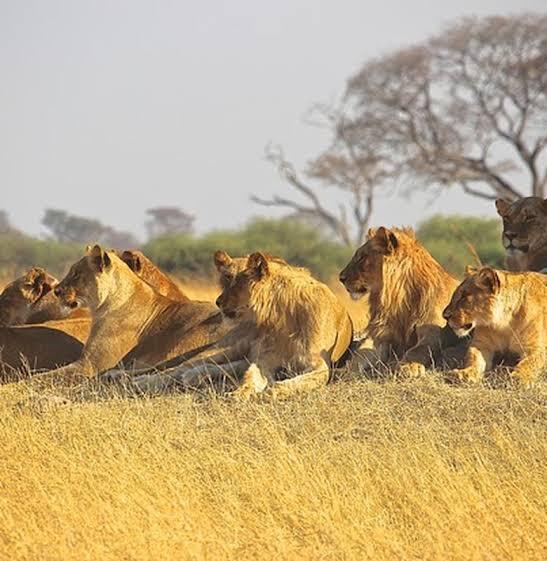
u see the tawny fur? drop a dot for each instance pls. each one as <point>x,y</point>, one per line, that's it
<point>287,321</point>
<point>153,275</point>
<point>408,290</point>
<point>524,233</point>
<point>19,297</point>
<point>131,322</point>
<point>508,312</point>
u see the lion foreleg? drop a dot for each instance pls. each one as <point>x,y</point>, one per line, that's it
<point>188,378</point>
<point>417,358</point>
<point>305,382</point>
<point>530,367</point>
<point>254,382</point>
<point>477,362</point>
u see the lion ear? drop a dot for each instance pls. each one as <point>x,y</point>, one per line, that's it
<point>100,260</point>
<point>222,259</point>
<point>502,206</point>
<point>371,233</point>
<point>469,270</point>
<point>489,279</point>
<point>387,239</point>
<point>258,264</point>
<point>132,260</point>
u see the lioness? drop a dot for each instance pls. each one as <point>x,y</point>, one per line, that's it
<point>524,233</point>
<point>131,321</point>
<point>192,370</point>
<point>153,275</point>
<point>18,297</point>
<point>508,313</point>
<point>407,290</point>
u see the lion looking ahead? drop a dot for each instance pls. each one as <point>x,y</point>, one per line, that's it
<point>507,313</point>
<point>291,330</point>
<point>524,233</point>
<point>130,320</point>
<point>407,290</point>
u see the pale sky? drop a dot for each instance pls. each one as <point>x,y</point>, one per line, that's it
<point>110,107</point>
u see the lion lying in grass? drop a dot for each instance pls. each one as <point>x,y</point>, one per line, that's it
<point>298,330</point>
<point>131,322</point>
<point>19,297</point>
<point>408,291</point>
<point>507,313</point>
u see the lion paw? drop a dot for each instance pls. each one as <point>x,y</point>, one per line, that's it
<point>463,376</point>
<point>410,370</point>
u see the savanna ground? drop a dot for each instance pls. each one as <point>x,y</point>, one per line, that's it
<point>363,469</point>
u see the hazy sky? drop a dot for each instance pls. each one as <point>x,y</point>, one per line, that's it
<point>110,107</point>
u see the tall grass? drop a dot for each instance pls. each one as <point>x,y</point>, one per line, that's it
<point>358,470</point>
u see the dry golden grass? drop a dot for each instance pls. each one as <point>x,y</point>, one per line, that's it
<point>358,470</point>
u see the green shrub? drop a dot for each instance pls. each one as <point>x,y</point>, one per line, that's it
<point>298,243</point>
<point>446,236</point>
<point>18,252</point>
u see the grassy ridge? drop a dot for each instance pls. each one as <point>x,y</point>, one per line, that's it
<point>358,470</point>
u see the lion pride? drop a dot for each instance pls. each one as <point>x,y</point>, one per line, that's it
<point>131,322</point>
<point>408,290</point>
<point>506,313</point>
<point>524,233</point>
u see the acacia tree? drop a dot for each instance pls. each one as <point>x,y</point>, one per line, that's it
<point>65,227</point>
<point>469,107</point>
<point>168,220</point>
<point>350,164</point>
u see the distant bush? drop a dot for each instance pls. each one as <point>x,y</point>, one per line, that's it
<point>298,243</point>
<point>18,252</point>
<point>446,236</point>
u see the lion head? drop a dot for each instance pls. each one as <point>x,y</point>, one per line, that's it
<point>228,267</point>
<point>473,301</point>
<point>20,295</point>
<point>236,294</point>
<point>524,229</point>
<point>83,285</point>
<point>364,273</point>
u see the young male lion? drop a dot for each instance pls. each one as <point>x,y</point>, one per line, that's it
<point>508,313</point>
<point>131,322</point>
<point>301,327</point>
<point>407,290</point>
<point>19,297</point>
<point>524,233</point>
<point>290,325</point>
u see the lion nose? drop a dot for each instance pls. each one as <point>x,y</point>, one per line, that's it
<point>510,235</point>
<point>342,277</point>
<point>218,301</point>
<point>446,314</point>
<point>57,292</point>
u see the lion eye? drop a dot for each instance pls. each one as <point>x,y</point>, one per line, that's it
<point>530,218</point>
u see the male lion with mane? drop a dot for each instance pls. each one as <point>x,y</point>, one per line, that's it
<point>292,330</point>
<point>507,313</point>
<point>408,291</point>
<point>524,233</point>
